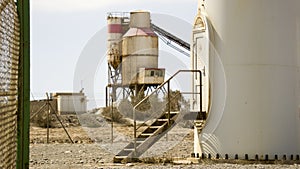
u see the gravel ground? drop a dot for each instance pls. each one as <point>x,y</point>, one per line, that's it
<point>91,156</point>
<point>93,149</point>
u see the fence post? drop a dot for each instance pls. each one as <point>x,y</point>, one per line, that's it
<point>23,114</point>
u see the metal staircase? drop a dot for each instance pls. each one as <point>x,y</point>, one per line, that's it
<point>147,138</point>
<point>154,131</point>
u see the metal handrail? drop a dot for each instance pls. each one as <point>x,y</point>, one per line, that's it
<point>159,87</point>
<point>140,125</point>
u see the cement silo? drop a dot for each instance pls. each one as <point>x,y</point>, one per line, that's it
<point>139,47</point>
<point>132,57</point>
<point>253,78</point>
<point>117,25</point>
<point>114,40</point>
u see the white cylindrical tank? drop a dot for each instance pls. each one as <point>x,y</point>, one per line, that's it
<point>114,40</point>
<point>139,48</point>
<point>254,78</point>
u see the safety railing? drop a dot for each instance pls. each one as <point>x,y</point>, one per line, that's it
<point>118,14</point>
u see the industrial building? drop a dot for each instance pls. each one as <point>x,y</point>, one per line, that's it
<point>62,103</point>
<point>70,102</point>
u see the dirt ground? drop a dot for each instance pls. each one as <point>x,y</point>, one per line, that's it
<point>93,147</point>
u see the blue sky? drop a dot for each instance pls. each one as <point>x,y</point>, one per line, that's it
<point>61,30</point>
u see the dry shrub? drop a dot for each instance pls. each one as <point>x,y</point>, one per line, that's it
<point>112,114</point>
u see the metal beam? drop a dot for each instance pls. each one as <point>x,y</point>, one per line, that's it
<point>168,38</point>
<point>23,113</point>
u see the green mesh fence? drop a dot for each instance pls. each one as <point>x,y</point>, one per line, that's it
<point>9,56</point>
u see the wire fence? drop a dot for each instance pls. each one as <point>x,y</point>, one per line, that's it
<point>9,57</point>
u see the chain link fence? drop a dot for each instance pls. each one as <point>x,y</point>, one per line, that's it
<point>9,57</point>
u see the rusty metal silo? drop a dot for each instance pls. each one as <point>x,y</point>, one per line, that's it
<point>113,42</point>
<point>139,47</point>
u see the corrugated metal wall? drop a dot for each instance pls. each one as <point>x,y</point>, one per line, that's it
<point>9,56</point>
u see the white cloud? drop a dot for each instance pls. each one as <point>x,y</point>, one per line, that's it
<point>85,5</point>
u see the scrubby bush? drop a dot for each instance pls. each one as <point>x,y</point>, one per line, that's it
<point>112,113</point>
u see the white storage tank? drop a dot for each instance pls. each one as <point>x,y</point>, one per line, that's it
<point>139,47</point>
<point>253,78</point>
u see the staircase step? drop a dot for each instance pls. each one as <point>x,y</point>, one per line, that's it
<point>147,134</point>
<point>171,113</point>
<point>159,123</point>
<point>162,120</point>
<point>154,127</point>
<point>119,158</point>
